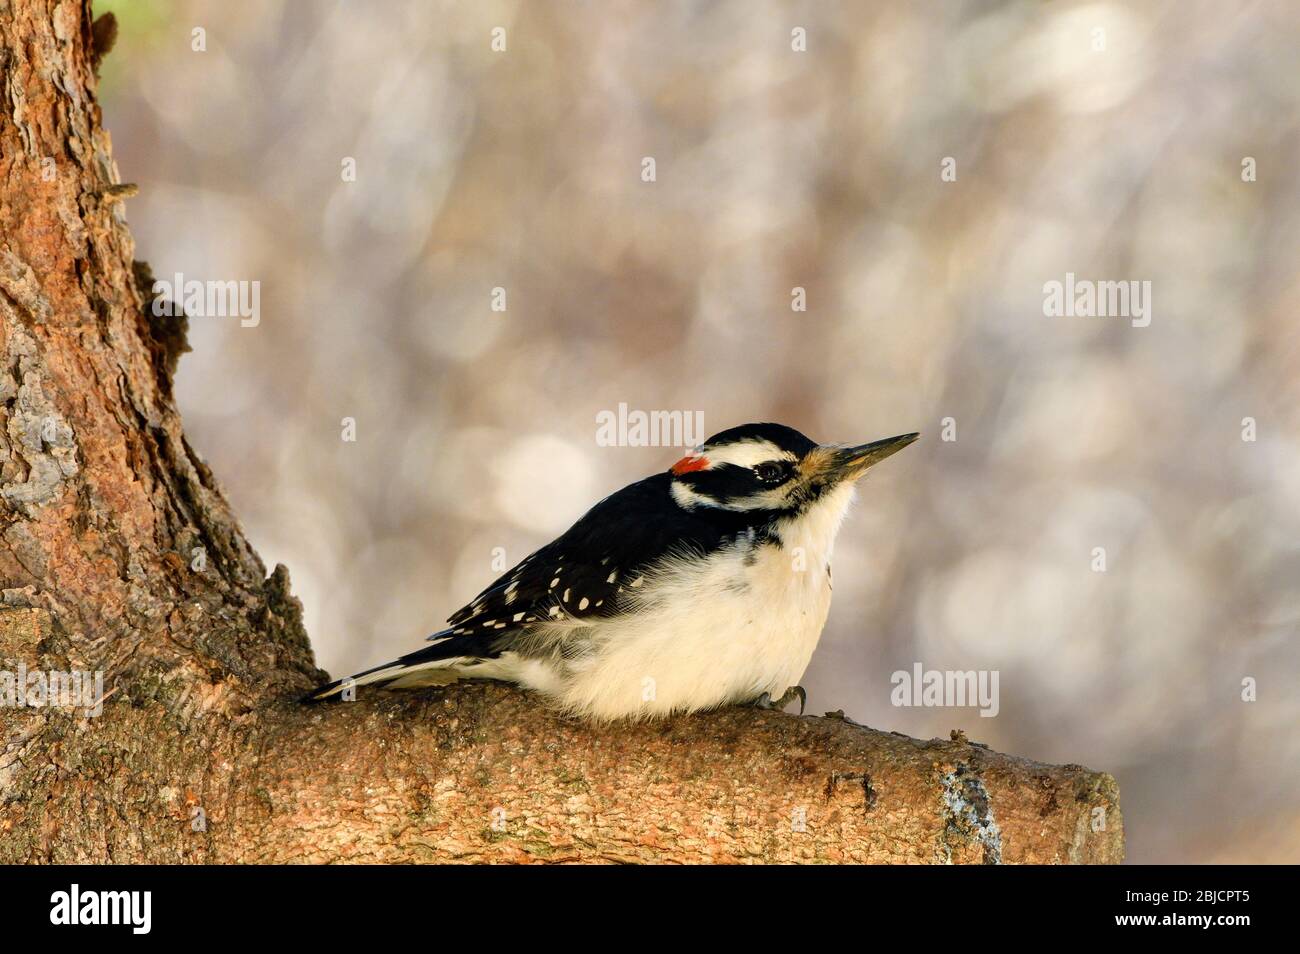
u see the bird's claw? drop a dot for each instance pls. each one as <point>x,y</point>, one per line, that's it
<point>765,701</point>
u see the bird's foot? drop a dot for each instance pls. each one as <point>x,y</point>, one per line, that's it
<point>765,701</point>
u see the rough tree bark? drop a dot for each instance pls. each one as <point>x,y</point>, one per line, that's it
<point>201,754</point>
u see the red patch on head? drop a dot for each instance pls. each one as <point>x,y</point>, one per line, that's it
<point>688,464</point>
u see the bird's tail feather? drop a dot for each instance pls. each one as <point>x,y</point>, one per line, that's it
<point>420,668</point>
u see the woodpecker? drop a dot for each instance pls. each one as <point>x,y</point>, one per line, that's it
<point>704,585</point>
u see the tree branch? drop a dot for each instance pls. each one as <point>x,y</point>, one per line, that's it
<point>480,772</point>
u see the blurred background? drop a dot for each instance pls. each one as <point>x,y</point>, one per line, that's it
<point>1103,139</point>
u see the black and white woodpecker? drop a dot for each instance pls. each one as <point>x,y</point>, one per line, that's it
<point>703,585</point>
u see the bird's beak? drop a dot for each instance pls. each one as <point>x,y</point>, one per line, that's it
<point>850,463</point>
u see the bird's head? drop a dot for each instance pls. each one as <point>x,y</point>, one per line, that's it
<point>772,468</point>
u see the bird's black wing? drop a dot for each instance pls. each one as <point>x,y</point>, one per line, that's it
<point>589,570</point>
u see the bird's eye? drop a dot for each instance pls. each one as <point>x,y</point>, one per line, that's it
<point>769,473</point>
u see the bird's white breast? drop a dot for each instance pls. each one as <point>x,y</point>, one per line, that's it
<point>742,622</point>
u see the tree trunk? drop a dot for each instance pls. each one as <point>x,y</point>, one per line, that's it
<point>119,553</point>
